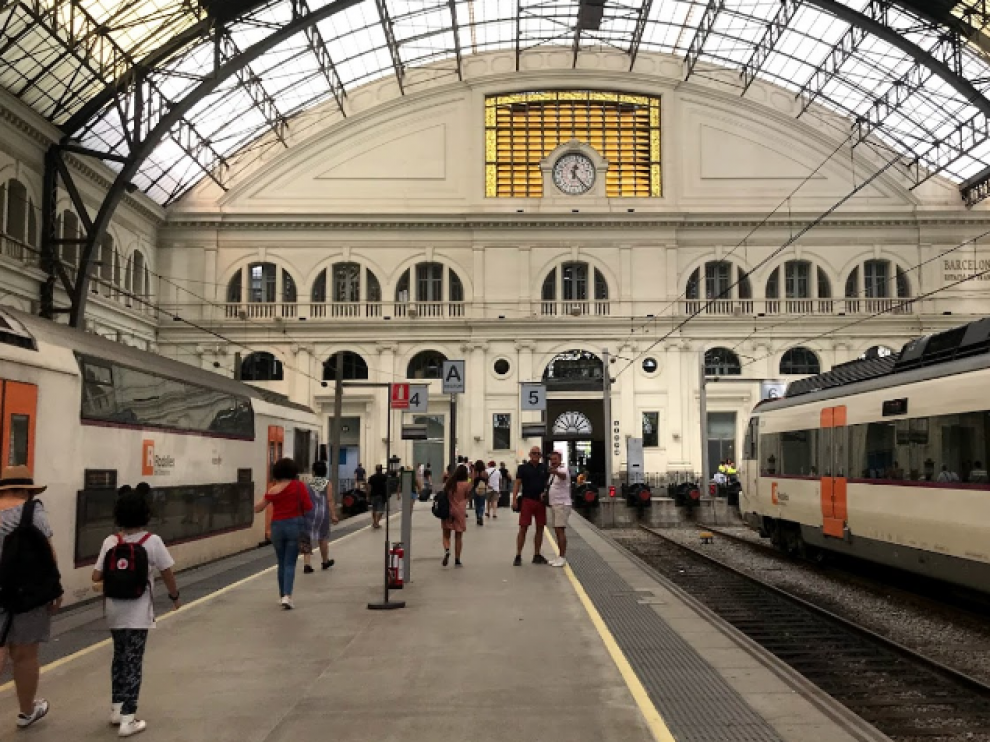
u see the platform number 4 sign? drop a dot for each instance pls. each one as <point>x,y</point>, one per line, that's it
<point>419,397</point>
<point>533,397</point>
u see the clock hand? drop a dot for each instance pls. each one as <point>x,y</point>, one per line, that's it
<point>586,185</point>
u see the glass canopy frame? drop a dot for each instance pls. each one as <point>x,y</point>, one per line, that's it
<point>105,71</point>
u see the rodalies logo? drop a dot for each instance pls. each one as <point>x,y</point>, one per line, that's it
<point>152,465</point>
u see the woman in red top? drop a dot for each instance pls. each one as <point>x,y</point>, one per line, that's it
<point>290,501</point>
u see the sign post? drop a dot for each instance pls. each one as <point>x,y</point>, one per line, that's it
<point>452,378</point>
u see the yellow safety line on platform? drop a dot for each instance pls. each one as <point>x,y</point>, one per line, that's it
<point>182,611</point>
<point>650,714</point>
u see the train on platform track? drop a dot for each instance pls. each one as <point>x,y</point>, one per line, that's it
<point>884,458</point>
<point>88,415</point>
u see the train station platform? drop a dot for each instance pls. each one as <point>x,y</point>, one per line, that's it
<point>601,651</point>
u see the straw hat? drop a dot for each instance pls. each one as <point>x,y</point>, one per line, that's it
<point>19,478</point>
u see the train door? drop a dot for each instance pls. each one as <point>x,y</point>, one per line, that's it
<point>833,440</point>
<point>18,410</point>
<point>276,446</point>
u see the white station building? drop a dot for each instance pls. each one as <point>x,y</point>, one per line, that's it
<point>541,212</point>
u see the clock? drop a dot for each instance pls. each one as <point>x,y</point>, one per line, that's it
<point>574,174</point>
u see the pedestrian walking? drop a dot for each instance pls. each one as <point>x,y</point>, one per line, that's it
<point>290,502</point>
<point>30,588</point>
<point>479,489</point>
<point>378,490</point>
<point>527,500</point>
<point>560,504</point>
<point>318,519</point>
<point>125,571</point>
<point>494,490</point>
<point>505,485</point>
<point>458,490</point>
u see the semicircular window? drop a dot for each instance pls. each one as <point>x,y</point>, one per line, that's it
<point>572,423</point>
<point>354,367</point>
<point>578,370</point>
<point>261,366</point>
<point>800,361</point>
<point>427,364</point>
<point>722,362</point>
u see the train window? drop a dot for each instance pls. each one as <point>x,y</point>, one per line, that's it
<point>770,454</point>
<point>179,513</point>
<point>20,436</point>
<point>302,450</point>
<point>127,396</point>
<point>100,479</point>
<point>798,453</point>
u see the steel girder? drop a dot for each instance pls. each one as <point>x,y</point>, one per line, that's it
<point>638,31</point>
<point>319,48</point>
<point>452,4</point>
<point>252,85</point>
<point>705,27</point>
<point>775,29</point>
<point>393,46</point>
<point>151,122</point>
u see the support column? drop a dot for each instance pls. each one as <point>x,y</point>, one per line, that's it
<point>527,300</point>
<point>476,396</point>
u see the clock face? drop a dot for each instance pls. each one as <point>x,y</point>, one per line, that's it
<point>574,174</point>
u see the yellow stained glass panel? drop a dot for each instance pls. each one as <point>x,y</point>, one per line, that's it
<point>523,128</point>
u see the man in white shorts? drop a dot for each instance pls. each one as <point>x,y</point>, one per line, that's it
<point>560,504</point>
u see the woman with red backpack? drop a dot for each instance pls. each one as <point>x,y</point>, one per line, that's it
<point>290,502</point>
<point>125,570</point>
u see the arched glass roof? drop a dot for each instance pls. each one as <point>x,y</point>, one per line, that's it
<point>911,73</point>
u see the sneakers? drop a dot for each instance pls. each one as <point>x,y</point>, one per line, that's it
<point>446,558</point>
<point>559,562</point>
<point>115,714</point>
<point>517,562</point>
<point>539,559</point>
<point>308,569</point>
<point>457,563</point>
<point>287,603</point>
<point>328,564</point>
<point>37,714</point>
<point>129,726</point>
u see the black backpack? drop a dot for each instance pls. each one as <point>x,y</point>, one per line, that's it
<point>441,505</point>
<point>125,569</point>
<point>29,576</point>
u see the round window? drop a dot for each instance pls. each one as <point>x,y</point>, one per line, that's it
<point>501,367</point>
<point>650,365</point>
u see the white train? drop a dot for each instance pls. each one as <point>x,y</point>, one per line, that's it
<point>87,415</point>
<point>884,458</point>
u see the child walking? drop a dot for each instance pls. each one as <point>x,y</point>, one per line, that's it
<point>125,568</point>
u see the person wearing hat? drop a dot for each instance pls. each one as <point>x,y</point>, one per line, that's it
<point>24,631</point>
<point>494,490</point>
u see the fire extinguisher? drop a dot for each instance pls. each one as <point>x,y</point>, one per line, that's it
<point>396,554</point>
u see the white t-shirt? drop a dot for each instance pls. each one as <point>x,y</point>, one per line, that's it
<point>138,613</point>
<point>560,489</point>
<point>494,479</point>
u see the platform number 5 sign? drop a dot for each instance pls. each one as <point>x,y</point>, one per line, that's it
<point>533,396</point>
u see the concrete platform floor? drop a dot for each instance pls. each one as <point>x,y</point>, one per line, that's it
<point>485,652</point>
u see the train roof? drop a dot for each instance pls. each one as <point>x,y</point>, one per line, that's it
<point>26,331</point>
<point>959,350</point>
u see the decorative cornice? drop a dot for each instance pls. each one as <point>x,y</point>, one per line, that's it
<point>562,222</point>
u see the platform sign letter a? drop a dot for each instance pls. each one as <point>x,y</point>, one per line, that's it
<point>453,377</point>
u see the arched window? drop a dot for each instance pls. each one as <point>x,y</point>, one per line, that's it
<point>105,269</point>
<point>354,367</point>
<point>800,361</point>
<point>137,274</point>
<point>869,286</point>
<point>721,287</point>
<point>427,364</point>
<point>578,370</point>
<point>260,282</point>
<point>572,423</point>
<point>349,285</point>
<point>18,219</point>
<point>430,285</point>
<point>571,283</point>
<point>798,282</point>
<point>70,231</point>
<point>261,366</point>
<point>722,362</point>
<point>118,267</point>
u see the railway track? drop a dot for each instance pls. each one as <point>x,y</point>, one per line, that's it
<point>903,694</point>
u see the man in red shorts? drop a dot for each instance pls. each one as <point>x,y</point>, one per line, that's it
<point>532,478</point>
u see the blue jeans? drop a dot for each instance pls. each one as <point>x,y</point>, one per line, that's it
<point>285,538</point>
<point>479,506</point>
